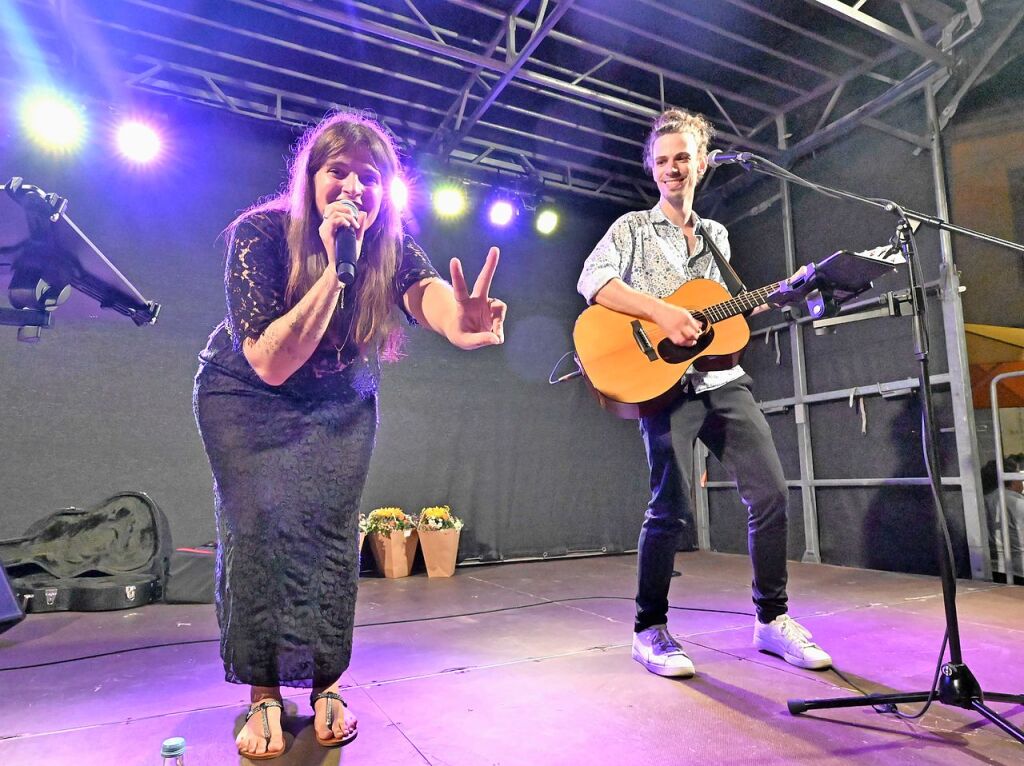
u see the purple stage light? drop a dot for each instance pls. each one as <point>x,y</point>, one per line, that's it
<point>399,192</point>
<point>138,142</point>
<point>501,212</point>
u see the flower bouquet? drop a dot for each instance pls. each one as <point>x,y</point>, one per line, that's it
<point>439,536</point>
<point>393,541</point>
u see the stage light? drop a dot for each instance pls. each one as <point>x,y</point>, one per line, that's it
<point>138,142</point>
<point>501,213</point>
<point>449,201</point>
<point>399,192</point>
<point>547,221</point>
<point>53,121</point>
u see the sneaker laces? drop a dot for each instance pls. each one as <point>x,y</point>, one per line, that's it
<point>796,633</point>
<point>664,642</point>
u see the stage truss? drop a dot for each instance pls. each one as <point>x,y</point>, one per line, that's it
<point>533,94</point>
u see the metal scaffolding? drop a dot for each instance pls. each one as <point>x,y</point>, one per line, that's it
<point>556,95</point>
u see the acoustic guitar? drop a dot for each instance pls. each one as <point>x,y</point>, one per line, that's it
<point>632,366</point>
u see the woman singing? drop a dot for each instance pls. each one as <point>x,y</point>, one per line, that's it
<point>285,399</point>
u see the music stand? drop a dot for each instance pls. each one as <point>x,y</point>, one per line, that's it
<point>956,684</point>
<point>48,255</point>
<point>827,285</point>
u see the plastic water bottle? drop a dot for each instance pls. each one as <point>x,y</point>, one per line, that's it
<point>173,751</point>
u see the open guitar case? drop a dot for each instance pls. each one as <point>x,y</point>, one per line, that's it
<point>114,555</point>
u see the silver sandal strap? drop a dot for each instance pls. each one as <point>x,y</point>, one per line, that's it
<point>261,708</point>
<point>330,708</point>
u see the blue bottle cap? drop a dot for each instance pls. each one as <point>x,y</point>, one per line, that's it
<point>173,747</point>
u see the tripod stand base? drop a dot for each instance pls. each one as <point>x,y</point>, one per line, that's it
<point>957,686</point>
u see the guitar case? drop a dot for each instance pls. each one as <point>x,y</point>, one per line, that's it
<point>114,555</point>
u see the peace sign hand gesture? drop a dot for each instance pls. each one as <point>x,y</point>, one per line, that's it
<point>479,319</point>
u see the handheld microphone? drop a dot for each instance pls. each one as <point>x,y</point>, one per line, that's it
<point>345,248</point>
<point>718,157</point>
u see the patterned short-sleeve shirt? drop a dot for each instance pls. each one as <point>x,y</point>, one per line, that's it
<point>650,254</point>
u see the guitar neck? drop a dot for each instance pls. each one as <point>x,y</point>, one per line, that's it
<point>740,304</point>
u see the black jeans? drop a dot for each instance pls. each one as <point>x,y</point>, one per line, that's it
<point>729,422</point>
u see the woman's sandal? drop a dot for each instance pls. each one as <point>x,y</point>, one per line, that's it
<point>331,741</point>
<point>261,707</point>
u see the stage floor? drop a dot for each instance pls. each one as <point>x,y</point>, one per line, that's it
<point>541,675</point>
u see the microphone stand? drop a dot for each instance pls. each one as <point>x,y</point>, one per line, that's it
<point>956,684</point>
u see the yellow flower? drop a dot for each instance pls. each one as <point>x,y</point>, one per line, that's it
<point>387,520</point>
<point>438,517</point>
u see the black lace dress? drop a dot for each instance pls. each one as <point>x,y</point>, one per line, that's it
<point>289,463</point>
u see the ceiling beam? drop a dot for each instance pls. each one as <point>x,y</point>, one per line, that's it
<point>539,33</point>
<point>910,85</point>
<point>852,74</point>
<point>809,34</point>
<point>935,10</point>
<point>644,66</point>
<point>353,21</point>
<point>458,105</point>
<point>986,58</point>
<point>688,50</point>
<point>884,30</point>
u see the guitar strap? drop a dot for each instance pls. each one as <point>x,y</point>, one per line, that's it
<point>732,279</point>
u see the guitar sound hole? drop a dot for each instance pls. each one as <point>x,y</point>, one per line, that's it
<point>674,354</point>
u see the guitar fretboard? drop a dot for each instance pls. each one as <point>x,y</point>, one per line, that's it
<point>740,304</point>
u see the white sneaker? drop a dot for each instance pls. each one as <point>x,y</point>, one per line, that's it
<point>791,641</point>
<point>660,653</point>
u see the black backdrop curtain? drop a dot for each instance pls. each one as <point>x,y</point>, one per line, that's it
<point>100,406</point>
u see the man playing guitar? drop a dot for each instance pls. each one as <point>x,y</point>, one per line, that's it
<point>644,257</point>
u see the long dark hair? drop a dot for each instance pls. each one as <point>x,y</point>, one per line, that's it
<point>374,322</point>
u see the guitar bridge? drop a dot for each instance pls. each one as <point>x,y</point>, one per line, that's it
<point>640,336</point>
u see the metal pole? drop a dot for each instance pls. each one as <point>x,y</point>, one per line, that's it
<point>701,505</point>
<point>812,552</point>
<point>975,524</point>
